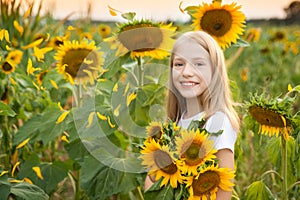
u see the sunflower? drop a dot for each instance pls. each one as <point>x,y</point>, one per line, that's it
<point>273,115</point>
<point>104,30</point>
<point>15,56</point>
<point>223,22</point>
<point>160,163</point>
<point>271,122</point>
<point>56,42</point>
<point>194,149</point>
<point>155,130</point>
<point>8,66</point>
<point>208,181</point>
<point>79,62</point>
<point>143,38</point>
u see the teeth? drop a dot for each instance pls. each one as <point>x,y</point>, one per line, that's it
<point>187,84</point>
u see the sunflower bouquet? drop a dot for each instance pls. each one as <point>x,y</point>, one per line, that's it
<point>182,162</point>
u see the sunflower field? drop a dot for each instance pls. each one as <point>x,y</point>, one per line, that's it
<point>78,98</point>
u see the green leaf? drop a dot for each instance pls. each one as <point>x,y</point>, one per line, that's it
<point>4,189</point>
<point>165,193</point>
<point>241,43</point>
<point>104,181</point>
<point>6,110</point>
<point>258,190</point>
<point>41,127</point>
<point>28,191</point>
<point>129,16</point>
<point>53,173</point>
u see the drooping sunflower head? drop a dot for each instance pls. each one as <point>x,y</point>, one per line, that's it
<point>273,115</point>
<point>144,38</point>
<point>79,62</point>
<point>208,181</point>
<point>8,66</point>
<point>161,163</point>
<point>194,149</point>
<point>155,130</point>
<point>223,22</point>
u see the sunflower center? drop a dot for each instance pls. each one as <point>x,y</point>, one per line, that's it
<point>216,22</point>
<point>155,132</point>
<point>76,65</point>
<point>141,37</point>
<point>205,183</point>
<point>193,154</point>
<point>6,67</point>
<point>164,162</point>
<point>266,117</point>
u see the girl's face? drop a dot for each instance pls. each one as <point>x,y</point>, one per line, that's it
<point>191,70</point>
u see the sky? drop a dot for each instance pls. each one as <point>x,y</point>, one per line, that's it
<point>158,9</point>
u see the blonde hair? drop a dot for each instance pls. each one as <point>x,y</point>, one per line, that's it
<point>217,97</point>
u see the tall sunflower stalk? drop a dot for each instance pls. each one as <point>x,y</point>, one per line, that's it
<point>276,117</point>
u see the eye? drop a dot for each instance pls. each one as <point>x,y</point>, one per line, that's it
<point>178,64</point>
<point>198,64</point>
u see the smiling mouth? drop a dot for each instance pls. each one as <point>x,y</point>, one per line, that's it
<point>188,83</point>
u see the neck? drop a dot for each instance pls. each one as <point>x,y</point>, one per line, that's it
<point>193,107</point>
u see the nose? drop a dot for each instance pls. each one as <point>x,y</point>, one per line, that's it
<point>188,70</point>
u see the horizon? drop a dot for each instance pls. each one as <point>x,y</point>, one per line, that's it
<point>168,10</point>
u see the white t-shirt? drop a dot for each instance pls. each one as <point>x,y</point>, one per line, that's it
<point>218,121</point>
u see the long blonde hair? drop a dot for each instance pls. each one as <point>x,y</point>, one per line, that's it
<point>217,97</point>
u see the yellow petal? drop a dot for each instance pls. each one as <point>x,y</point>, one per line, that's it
<point>59,105</point>
<point>23,143</point>
<point>109,122</point>
<point>27,180</point>
<point>126,89</point>
<point>27,13</point>
<point>16,181</point>
<point>86,61</point>
<point>116,111</point>
<point>12,81</point>
<point>112,11</point>
<point>33,44</point>
<point>53,83</point>
<point>90,119</point>
<point>2,173</point>
<point>115,88</point>
<point>102,117</point>
<point>64,138</point>
<point>290,87</point>
<point>71,28</point>
<point>180,4</point>
<point>19,28</point>
<point>38,172</point>
<point>7,48</point>
<point>14,168</point>
<point>130,98</point>
<point>62,117</point>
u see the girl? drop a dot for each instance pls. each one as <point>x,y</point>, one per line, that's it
<point>199,88</point>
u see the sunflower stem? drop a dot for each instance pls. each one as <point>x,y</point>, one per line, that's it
<point>284,168</point>
<point>140,71</point>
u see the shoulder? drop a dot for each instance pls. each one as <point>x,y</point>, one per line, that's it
<point>218,121</point>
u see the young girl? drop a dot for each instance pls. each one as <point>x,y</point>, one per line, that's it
<point>199,88</point>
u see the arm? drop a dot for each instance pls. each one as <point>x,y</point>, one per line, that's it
<point>148,182</point>
<point>226,158</point>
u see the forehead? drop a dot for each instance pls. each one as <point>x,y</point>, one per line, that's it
<point>190,49</point>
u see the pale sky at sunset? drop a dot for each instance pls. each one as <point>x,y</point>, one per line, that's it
<point>159,9</point>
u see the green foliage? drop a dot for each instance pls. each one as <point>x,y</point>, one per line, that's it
<point>258,190</point>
